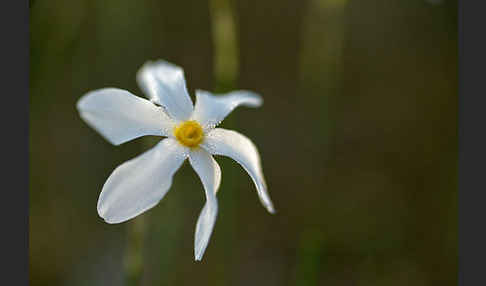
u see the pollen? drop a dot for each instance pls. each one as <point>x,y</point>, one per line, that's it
<point>189,133</point>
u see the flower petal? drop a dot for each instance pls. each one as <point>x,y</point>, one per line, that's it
<point>120,116</point>
<point>229,143</point>
<point>210,174</point>
<point>165,85</point>
<point>211,109</point>
<point>139,184</point>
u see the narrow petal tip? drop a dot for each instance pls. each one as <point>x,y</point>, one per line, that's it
<point>110,219</point>
<point>102,213</point>
<point>198,254</point>
<point>256,100</point>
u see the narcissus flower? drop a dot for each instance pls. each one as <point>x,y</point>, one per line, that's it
<point>140,183</point>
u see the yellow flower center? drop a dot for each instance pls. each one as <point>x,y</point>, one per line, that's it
<point>189,133</point>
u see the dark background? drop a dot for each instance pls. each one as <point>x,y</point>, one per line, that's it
<point>358,138</point>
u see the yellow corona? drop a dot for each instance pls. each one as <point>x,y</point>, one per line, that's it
<point>189,133</point>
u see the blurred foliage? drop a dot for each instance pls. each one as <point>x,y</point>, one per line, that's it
<point>358,138</point>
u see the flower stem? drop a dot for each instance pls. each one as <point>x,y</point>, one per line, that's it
<point>225,39</point>
<point>226,68</point>
<point>133,259</point>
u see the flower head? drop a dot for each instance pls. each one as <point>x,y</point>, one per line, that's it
<point>140,183</point>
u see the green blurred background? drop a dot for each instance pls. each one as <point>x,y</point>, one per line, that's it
<point>358,138</point>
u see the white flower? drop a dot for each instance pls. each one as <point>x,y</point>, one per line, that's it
<point>140,183</point>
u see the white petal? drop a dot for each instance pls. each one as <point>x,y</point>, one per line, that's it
<point>211,109</point>
<point>229,143</point>
<point>165,85</point>
<point>210,174</point>
<point>139,184</point>
<point>120,116</point>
